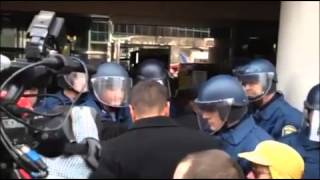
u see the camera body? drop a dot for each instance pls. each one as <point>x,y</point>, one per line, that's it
<point>46,34</point>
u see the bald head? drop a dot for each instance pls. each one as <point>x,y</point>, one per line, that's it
<point>210,164</point>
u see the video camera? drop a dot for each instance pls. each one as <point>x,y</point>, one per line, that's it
<point>21,127</point>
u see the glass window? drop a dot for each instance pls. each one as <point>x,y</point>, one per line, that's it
<point>9,37</point>
<point>130,29</point>
<point>99,31</point>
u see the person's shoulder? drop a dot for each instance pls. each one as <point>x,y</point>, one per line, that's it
<point>50,100</point>
<point>120,139</point>
<point>198,136</point>
<point>288,116</point>
<point>47,103</point>
<point>112,130</point>
<point>260,134</point>
<point>111,145</point>
<point>288,110</point>
<point>88,101</point>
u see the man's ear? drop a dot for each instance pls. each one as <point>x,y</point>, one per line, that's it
<point>132,113</point>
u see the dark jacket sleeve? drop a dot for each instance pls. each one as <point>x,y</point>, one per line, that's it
<point>109,130</point>
<point>108,166</point>
<point>102,173</point>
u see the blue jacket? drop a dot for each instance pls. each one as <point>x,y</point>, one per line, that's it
<point>243,137</point>
<point>309,150</point>
<point>48,103</point>
<point>120,115</point>
<point>278,117</point>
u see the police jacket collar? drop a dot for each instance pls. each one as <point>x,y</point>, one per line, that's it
<point>64,98</point>
<point>270,107</point>
<point>157,121</point>
<point>239,132</point>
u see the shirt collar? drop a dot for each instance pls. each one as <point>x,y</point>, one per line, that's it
<point>157,121</point>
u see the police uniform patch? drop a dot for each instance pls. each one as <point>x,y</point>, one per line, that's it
<point>288,129</point>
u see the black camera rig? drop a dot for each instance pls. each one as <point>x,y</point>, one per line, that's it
<point>21,128</point>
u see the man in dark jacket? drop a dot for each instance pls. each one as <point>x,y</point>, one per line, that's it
<point>154,145</point>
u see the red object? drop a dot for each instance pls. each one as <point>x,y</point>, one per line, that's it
<point>24,103</point>
<point>174,69</point>
<point>3,94</point>
<point>24,174</point>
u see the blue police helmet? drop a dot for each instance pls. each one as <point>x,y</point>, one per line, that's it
<point>222,87</point>
<point>111,85</point>
<point>259,71</point>
<point>313,98</point>
<point>225,95</point>
<point>151,69</point>
<point>111,69</point>
<point>258,66</point>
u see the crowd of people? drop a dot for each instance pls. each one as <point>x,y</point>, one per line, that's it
<point>232,126</point>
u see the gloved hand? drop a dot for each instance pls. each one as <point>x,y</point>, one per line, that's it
<point>94,152</point>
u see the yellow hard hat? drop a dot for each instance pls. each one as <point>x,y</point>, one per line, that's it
<point>283,161</point>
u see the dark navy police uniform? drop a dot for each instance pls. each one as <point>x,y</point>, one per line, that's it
<point>309,150</point>
<point>48,103</point>
<point>278,118</point>
<point>244,137</point>
<point>120,115</point>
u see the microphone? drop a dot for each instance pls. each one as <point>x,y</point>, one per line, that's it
<point>55,62</point>
<point>4,62</point>
<point>66,64</point>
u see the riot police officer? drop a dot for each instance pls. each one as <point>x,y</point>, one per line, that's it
<point>152,69</point>
<point>222,112</point>
<point>110,94</point>
<point>71,86</point>
<point>268,106</point>
<point>307,142</point>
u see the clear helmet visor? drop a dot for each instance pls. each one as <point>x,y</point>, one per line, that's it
<point>256,85</point>
<point>312,120</point>
<point>213,116</point>
<point>112,91</point>
<point>77,81</point>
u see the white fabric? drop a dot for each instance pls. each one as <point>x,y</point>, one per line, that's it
<point>74,167</point>
<point>314,128</point>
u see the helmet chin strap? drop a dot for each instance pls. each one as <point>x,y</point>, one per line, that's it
<point>109,108</point>
<point>224,123</point>
<point>216,131</point>
<point>260,96</point>
<point>256,98</point>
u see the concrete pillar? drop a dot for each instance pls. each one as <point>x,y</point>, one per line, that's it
<point>298,49</point>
